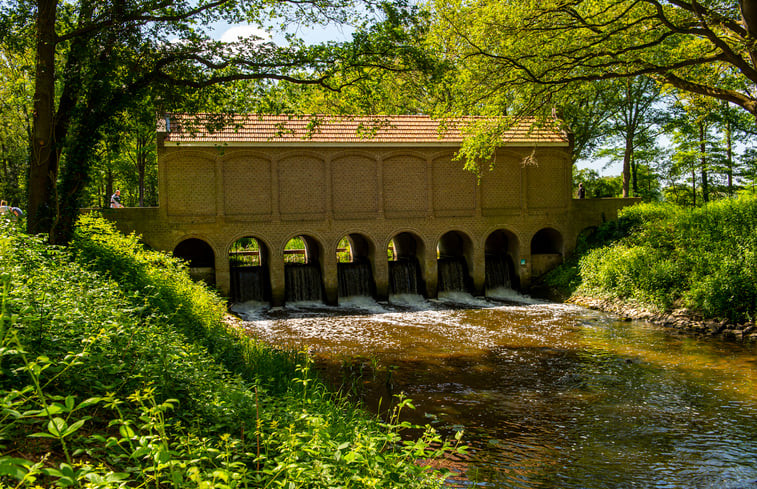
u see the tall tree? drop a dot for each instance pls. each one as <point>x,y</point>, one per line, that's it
<point>635,101</point>
<point>95,59</point>
<point>537,49</point>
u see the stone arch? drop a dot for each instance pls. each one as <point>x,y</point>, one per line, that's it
<point>303,275</point>
<point>454,251</point>
<point>547,241</point>
<point>249,268</point>
<point>356,267</point>
<point>502,253</point>
<point>406,252</point>
<point>200,258</point>
<point>546,250</point>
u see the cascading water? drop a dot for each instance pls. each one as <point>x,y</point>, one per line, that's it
<point>355,279</point>
<point>497,272</point>
<point>303,282</point>
<point>405,277</point>
<point>453,274</point>
<point>250,283</point>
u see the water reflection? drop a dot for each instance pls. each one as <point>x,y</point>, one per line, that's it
<point>549,395</point>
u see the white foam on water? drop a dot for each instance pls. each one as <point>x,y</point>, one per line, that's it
<point>463,298</point>
<point>508,294</point>
<point>414,301</point>
<point>250,310</point>
<point>304,305</point>
<point>361,302</point>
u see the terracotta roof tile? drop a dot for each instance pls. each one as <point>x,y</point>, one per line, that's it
<point>328,129</point>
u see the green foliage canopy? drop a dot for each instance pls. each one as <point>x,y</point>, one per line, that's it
<point>527,50</point>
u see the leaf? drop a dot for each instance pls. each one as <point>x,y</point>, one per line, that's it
<point>57,426</point>
<point>89,402</point>
<point>42,435</point>
<point>162,455</point>
<point>71,429</point>
<point>126,431</point>
<point>14,467</point>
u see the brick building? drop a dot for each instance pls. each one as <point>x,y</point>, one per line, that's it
<point>387,185</point>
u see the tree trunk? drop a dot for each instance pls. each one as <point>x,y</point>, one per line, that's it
<point>634,176</point>
<point>703,163</point>
<point>76,175</point>
<point>627,154</point>
<point>694,185</point>
<point>43,168</point>
<point>108,185</point>
<point>729,158</point>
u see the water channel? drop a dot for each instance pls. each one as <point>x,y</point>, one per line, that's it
<point>547,395</point>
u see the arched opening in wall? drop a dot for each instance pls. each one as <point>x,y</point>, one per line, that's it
<point>546,251</point>
<point>404,252</point>
<point>501,254</point>
<point>249,269</point>
<point>303,281</point>
<point>354,267</point>
<point>451,263</point>
<point>199,257</point>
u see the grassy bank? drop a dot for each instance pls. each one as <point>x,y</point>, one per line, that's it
<point>668,257</point>
<point>116,370</point>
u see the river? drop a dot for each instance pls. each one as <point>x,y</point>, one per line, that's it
<point>547,395</point>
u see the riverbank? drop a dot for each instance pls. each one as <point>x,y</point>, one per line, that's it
<point>116,369</point>
<point>680,319</point>
<point>694,269</point>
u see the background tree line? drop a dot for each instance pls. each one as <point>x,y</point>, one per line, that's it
<point>666,88</point>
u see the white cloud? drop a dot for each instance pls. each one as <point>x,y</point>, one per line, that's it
<point>233,33</point>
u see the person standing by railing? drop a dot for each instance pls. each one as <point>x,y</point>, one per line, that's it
<point>115,200</point>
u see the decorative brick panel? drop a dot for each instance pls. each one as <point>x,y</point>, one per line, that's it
<point>500,188</point>
<point>191,184</point>
<point>302,186</point>
<point>546,184</point>
<point>247,186</point>
<point>405,185</point>
<point>354,185</point>
<point>454,188</point>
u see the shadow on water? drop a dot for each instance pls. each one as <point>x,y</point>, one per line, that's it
<point>548,395</point>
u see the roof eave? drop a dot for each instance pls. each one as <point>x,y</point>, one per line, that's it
<point>311,144</point>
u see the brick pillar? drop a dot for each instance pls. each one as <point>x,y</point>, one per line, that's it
<point>477,270</point>
<point>381,273</point>
<point>223,273</point>
<point>330,277</point>
<point>276,270</point>
<point>429,272</point>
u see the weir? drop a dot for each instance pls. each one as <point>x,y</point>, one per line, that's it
<point>405,277</point>
<point>383,183</point>
<point>303,282</point>
<point>250,283</point>
<point>498,272</point>
<point>453,274</point>
<point>355,280</point>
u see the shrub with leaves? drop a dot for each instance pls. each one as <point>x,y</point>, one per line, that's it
<point>704,259</point>
<point>116,370</point>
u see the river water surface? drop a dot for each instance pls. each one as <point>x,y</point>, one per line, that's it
<point>547,395</point>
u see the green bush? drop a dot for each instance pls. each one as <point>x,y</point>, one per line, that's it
<point>666,256</point>
<point>112,374</point>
